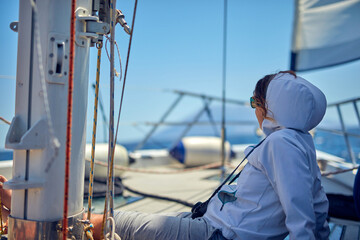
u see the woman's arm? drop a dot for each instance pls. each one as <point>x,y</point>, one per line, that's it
<point>288,170</point>
<point>96,220</point>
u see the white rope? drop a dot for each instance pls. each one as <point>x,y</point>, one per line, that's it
<point>112,235</point>
<point>139,170</point>
<point>54,142</point>
<point>118,51</point>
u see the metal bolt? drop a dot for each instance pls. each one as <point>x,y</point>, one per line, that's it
<point>52,39</point>
<point>58,227</point>
<point>65,56</point>
<point>51,72</point>
<point>51,55</point>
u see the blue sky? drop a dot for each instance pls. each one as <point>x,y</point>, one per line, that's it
<point>178,45</point>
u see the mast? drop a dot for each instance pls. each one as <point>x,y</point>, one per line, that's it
<point>38,131</point>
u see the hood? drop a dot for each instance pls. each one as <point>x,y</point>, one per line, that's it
<point>293,103</point>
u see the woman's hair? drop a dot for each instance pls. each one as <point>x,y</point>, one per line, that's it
<point>261,88</point>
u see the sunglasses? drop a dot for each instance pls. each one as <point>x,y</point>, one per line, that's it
<point>253,103</point>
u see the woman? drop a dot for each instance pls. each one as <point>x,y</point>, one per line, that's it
<point>278,192</point>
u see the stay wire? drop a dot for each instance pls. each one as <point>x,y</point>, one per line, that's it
<point>109,192</point>
<point>123,88</point>
<point>125,74</point>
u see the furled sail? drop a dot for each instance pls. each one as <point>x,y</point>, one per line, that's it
<point>326,33</point>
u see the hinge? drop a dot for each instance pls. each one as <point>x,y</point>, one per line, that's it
<point>91,28</point>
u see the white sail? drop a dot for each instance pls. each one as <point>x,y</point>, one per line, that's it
<point>326,33</point>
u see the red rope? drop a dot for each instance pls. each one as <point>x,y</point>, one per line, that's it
<point>69,119</point>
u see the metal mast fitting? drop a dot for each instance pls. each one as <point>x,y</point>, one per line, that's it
<point>120,18</point>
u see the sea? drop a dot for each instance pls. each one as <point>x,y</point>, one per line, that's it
<point>324,141</point>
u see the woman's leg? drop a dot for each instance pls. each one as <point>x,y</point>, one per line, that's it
<point>139,226</point>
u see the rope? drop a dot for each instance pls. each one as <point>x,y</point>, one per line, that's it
<point>325,174</point>
<point>121,101</point>
<point>1,219</point>
<point>118,51</point>
<point>69,119</point>
<point>118,167</point>
<point>88,231</point>
<point>91,181</point>
<point>109,193</point>
<point>112,235</point>
<point>5,121</point>
<point>185,203</point>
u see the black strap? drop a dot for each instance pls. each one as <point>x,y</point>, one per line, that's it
<point>232,173</point>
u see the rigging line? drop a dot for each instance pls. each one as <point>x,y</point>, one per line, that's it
<point>112,77</point>
<point>325,174</point>
<point>118,51</point>
<point>140,170</point>
<point>5,121</point>
<point>1,218</point>
<point>125,74</point>
<point>223,128</point>
<point>91,181</point>
<point>137,127</point>
<point>109,191</point>
<point>69,119</point>
<point>185,203</point>
<point>122,93</point>
<point>101,105</point>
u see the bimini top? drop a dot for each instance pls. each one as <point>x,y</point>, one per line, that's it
<point>293,103</point>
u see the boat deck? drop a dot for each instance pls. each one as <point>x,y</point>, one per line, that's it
<point>189,186</point>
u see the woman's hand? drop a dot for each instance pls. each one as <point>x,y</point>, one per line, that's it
<point>5,200</point>
<point>5,194</point>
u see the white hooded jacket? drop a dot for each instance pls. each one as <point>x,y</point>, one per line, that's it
<point>279,191</point>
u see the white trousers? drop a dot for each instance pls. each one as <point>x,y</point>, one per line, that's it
<point>172,226</point>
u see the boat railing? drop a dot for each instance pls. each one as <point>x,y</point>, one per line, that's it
<point>343,131</point>
<point>207,100</point>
